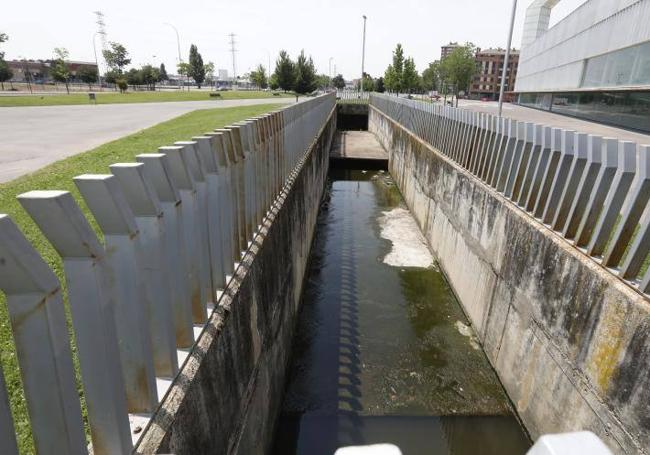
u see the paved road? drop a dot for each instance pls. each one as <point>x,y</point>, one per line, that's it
<point>32,137</point>
<point>561,121</point>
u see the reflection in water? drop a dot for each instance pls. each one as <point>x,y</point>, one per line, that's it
<point>382,353</point>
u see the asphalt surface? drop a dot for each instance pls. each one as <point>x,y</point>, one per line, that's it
<point>527,114</point>
<point>32,137</point>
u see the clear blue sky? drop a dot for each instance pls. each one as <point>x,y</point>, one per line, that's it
<point>324,28</point>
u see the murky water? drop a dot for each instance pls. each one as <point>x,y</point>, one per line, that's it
<point>383,352</point>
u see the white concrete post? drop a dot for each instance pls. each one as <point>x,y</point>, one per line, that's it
<point>214,207</point>
<point>36,313</point>
<point>638,250</point>
<point>487,154</point>
<point>540,168</point>
<point>533,134</point>
<point>518,162</point>
<point>91,297</point>
<point>555,152</point>
<point>497,156</point>
<point>7,433</point>
<point>637,201</point>
<point>145,205</point>
<point>585,186</point>
<point>108,205</point>
<point>182,178</point>
<point>508,155</point>
<point>615,198</point>
<point>226,214</point>
<point>598,194</point>
<point>569,193</point>
<point>158,173</point>
<point>242,130</point>
<point>193,164</point>
<point>234,148</point>
<point>565,159</point>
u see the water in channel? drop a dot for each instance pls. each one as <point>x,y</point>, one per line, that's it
<point>383,353</point>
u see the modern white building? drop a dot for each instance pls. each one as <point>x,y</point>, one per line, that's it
<point>594,63</point>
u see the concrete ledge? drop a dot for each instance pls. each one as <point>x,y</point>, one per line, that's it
<point>228,393</point>
<point>568,339</point>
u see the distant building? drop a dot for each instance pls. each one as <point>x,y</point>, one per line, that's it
<point>593,64</point>
<point>487,81</point>
<point>222,75</point>
<point>448,49</point>
<point>38,71</point>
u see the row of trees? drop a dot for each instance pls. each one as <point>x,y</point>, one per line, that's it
<point>451,75</point>
<point>299,76</point>
<point>5,71</point>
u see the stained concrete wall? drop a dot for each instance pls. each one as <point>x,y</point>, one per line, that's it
<point>568,339</point>
<point>229,391</point>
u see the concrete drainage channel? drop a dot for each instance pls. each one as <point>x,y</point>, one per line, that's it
<point>383,352</point>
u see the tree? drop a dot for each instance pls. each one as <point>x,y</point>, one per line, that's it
<point>391,80</point>
<point>379,85</point>
<point>5,73</point>
<point>410,76</point>
<point>196,69</point>
<point>258,77</point>
<point>111,77</point>
<point>183,69</point>
<point>368,83</point>
<point>273,82</point>
<point>117,57</point>
<point>338,82</point>
<point>431,76</point>
<point>162,72</point>
<point>459,67</point>
<point>150,76</point>
<point>285,71</point>
<point>209,72</point>
<point>3,38</point>
<point>322,81</point>
<point>88,74</point>
<point>60,71</point>
<point>305,74</point>
<point>134,77</point>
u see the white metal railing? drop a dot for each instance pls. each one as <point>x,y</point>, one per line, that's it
<point>352,96</point>
<point>176,224</point>
<point>594,191</point>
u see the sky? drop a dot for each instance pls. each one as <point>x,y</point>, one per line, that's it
<point>323,28</point>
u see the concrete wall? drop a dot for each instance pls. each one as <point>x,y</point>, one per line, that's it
<point>569,340</point>
<point>229,391</point>
<point>555,60</point>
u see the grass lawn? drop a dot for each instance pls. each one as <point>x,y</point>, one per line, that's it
<point>110,97</point>
<point>58,176</point>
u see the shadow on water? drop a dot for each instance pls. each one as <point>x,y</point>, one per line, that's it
<point>383,353</point>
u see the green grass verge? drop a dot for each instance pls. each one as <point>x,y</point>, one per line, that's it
<point>130,97</point>
<point>58,176</point>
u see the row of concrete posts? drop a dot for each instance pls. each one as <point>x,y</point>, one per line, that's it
<point>175,225</point>
<point>592,190</point>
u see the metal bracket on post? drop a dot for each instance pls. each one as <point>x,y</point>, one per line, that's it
<point>113,214</point>
<point>36,312</point>
<point>145,205</point>
<point>92,298</point>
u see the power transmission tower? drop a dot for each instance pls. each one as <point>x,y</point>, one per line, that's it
<point>233,51</point>
<point>101,27</point>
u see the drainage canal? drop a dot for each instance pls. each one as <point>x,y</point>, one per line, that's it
<point>383,353</point>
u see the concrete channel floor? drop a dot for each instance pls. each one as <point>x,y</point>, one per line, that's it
<point>34,136</point>
<point>527,114</point>
<point>360,145</point>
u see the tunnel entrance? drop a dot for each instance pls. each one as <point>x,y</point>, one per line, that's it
<point>383,352</point>
<point>352,117</point>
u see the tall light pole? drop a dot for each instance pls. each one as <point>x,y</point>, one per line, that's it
<point>507,57</point>
<point>330,72</point>
<point>363,53</point>
<point>99,81</point>
<point>178,43</point>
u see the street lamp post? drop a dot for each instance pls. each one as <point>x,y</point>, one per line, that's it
<point>507,57</point>
<point>363,53</point>
<point>178,43</point>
